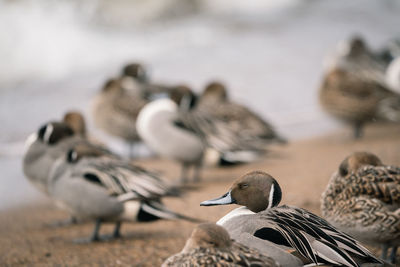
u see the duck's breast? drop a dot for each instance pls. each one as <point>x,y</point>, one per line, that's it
<point>157,126</point>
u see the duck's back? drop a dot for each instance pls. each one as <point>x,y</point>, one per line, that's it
<point>365,203</point>
<point>237,255</point>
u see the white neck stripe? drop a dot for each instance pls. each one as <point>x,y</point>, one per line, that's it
<point>271,196</point>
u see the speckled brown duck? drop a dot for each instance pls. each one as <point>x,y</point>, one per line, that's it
<point>363,200</point>
<point>357,101</point>
<point>215,101</point>
<point>116,107</point>
<point>211,245</point>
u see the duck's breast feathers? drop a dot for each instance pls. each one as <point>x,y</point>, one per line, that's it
<point>121,179</point>
<point>312,236</point>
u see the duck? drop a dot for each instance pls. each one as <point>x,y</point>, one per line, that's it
<point>115,109</point>
<point>362,199</point>
<point>211,245</point>
<point>358,101</point>
<point>175,129</point>
<point>288,227</point>
<point>43,147</point>
<point>355,56</point>
<point>94,186</point>
<point>214,101</point>
<point>52,140</point>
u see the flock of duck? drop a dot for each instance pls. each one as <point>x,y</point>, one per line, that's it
<point>360,204</point>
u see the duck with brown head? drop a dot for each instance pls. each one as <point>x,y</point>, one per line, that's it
<point>354,89</point>
<point>363,199</point>
<point>43,148</point>
<point>215,101</point>
<point>287,227</point>
<point>175,128</point>
<point>94,186</point>
<point>211,245</point>
<point>116,107</point>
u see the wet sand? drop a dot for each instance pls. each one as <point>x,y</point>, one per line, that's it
<point>302,168</point>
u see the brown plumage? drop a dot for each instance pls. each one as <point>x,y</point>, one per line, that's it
<point>210,245</point>
<point>357,101</point>
<point>75,120</point>
<point>116,107</point>
<point>214,100</point>
<point>363,199</point>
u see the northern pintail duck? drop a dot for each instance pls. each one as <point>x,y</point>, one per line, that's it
<point>286,226</point>
<point>116,107</point>
<point>355,56</point>
<point>183,133</point>
<point>43,148</point>
<point>211,245</point>
<point>363,200</point>
<point>94,186</point>
<point>214,101</point>
<point>50,142</point>
<point>358,101</point>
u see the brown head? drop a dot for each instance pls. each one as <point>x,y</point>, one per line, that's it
<point>215,90</point>
<point>356,160</point>
<point>182,95</point>
<point>256,190</point>
<point>357,46</point>
<point>208,235</point>
<point>75,120</point>
<point>54,132</point>
<point>111,85</point>
<point>136,71</point>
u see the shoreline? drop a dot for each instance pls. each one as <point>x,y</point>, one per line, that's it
<point>302,168</point>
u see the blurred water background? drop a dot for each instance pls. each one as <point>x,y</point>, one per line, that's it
<point>56,54</point>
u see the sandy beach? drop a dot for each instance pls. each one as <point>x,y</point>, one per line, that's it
<point>302,168</point>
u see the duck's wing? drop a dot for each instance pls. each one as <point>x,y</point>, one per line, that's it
<point>242,119</point>
<point>381,183</point>
<point>237,256</point>
<point>313,237</point>
<point>128,102</point>
<point>123,179</point>
<point>218,133</point>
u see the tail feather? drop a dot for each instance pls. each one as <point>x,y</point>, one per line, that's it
<point>158,210</point>
<point>389,109</point>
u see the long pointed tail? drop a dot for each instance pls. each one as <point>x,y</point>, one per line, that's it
<point>158,210</point>
<point>389,109</point>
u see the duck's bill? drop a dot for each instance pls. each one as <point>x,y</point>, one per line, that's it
<point>224,200</point>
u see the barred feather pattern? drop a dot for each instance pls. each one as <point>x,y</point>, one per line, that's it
<point>122,179</point>
<point>240,119</point>
<point>354,99</point>
<point>219,134</point>
<point>313,237</point>
<point>367,200</point>
<point>237,255</point>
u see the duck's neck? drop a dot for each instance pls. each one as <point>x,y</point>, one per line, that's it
<point>236,212</point>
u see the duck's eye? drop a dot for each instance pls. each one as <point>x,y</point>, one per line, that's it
<point>243,186</point>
